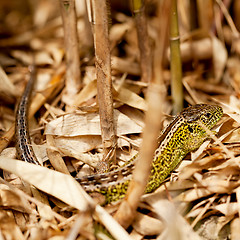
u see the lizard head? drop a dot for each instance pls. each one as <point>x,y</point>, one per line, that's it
<point>209,115</point>
<point>194,134</point>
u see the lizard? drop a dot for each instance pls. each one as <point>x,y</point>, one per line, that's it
<point>183,135</point>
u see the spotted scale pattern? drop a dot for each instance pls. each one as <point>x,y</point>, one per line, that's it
<point>181,136</point>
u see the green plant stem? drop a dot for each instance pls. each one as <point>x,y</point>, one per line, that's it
<point>175,61</point>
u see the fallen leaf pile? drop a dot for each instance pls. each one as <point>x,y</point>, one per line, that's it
<point>199,200</point>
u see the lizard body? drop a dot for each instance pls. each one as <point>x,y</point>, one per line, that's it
<point>183,135</point>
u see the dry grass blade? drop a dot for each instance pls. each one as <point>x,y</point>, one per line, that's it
<point>229,19</point>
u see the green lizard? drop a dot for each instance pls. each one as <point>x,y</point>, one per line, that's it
<point>181,136</point>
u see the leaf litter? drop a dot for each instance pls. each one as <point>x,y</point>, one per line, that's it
<point>202,198</point>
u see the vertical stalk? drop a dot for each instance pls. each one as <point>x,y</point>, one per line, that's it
<point>175,62</point>
<point>143,40</point>
<point>104,82</point>
<point>73,76</point>
<point>156,93</point>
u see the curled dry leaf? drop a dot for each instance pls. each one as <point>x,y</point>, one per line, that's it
<point>82,143</point>
<point>76,135</point>
<point>193,194</point>
<point>72,125</point>
<point>132,99</point>
<point>118,31</point>
<point>62,186</point>
<point>146,225</point>
<point>125,66</point>
<point>89,91</point>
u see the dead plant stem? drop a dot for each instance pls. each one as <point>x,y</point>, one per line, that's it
<point>143,40</point>
<point>104,82</point>
<point>73,76</point>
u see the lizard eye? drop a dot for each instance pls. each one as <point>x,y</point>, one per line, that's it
<point>190,129</point>
<point>208,115</point>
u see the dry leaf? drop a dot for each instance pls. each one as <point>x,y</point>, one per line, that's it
<point>6,86</point>
<point>125,66</point>
<point>72,125</point>
<point>9,229</point>
<point>227,209</point>
<point>193,194</point>
<point>89,91</point>
<point>146,225</point>
<point>11,200</point>
<point>62,186</point>
<point>235,230</point>
<point>175,225</point>
<point>132,99</point>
